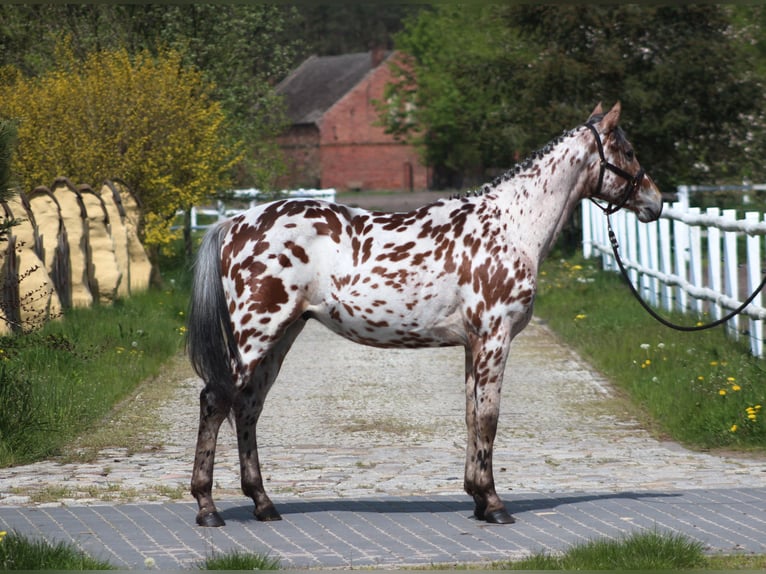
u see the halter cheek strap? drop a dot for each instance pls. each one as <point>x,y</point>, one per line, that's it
<point>633,182</point>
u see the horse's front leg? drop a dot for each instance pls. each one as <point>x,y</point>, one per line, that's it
<point>485,363</point>
<point>213,411</point>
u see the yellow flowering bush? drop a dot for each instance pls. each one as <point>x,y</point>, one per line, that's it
<point>147,119</point>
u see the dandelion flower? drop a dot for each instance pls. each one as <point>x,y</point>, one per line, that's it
<point>660,345</point>
<point>733,428</point>
<point>645,346</point>
<point>580,316</point>
<point>713,363</point>
<point>700,378</point>
<point>736,388</point>
<point>722,392</point>
<point>149,562</point>
<point>752,416</point>
<point>3,534</point>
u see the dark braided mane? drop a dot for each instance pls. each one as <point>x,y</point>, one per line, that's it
<point>523,165</point>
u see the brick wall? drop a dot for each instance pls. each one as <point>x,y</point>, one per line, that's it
<point>356,153</point>
<point>300,145</point>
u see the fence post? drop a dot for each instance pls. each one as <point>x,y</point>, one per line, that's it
<point>645,260</point>
<point>714,260</point>
<point>695,259</point>
<point>753,280</point>
<point>731,270</point>
<point>653,233</point>
<point>666,262</point>
<point>683,197</point>
<point>587,229</point>
<point>680,240</point>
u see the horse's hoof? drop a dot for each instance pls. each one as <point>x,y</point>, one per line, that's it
<point>500,516</point>
<point>268,514</point>
<point>211,519</point>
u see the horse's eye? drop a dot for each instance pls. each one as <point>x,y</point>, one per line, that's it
<point>629,155</point>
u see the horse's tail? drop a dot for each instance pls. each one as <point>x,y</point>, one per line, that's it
<point>210,338</point>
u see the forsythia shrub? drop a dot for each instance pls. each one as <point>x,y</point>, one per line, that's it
<point>147,119</point>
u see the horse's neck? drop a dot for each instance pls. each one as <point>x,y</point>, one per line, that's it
<point>538,201</point>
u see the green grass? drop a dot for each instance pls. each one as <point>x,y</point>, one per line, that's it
<point>240,561</point>
<point>648,550</point>
<point>57,383</point>
<point>701,389</point>
<point>21,553</point>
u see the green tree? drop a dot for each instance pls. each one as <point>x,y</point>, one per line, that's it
<point>7,142</point>
<point>150,120</point>
<point>243,49</point>
<point>495,81</point>
<point>454,98</point>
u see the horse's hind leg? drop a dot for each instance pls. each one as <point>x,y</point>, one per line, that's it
<point>247,410</point>
<point>213,411</point>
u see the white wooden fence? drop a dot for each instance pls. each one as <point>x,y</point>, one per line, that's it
<point>689,261</point>
<point>246,198</point>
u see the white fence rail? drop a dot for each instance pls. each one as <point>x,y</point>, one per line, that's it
<point>689,260</point>
<point>246,198</point>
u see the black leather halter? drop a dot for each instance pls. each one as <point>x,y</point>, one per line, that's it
<point>631,188</point>
<point>633,182</point>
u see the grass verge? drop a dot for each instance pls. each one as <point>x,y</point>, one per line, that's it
<point>20,553</point>
<point>58,382</point>
<point>648,550</point>
<point>240,561</point>
<point>701,389</point>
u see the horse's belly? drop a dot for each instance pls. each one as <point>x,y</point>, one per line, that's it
<point>387,328</point>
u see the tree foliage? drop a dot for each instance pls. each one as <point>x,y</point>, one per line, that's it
<point>7,142</point>
<point>242,49</point>
<point>149,120</point>
<point>496,81</point>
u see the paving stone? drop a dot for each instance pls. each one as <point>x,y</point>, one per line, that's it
<point>362,452</point>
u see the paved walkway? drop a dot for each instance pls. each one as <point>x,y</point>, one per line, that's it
<point>362,451</point>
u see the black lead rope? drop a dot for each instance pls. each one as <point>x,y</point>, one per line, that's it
<point>633,183</point>
<point>653,313</point>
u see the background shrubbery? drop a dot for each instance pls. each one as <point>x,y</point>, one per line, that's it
<point>147,119</point>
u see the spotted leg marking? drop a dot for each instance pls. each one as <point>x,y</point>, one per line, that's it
<point>485,362</point>
<point>213,411</point>
<point>247,411</point>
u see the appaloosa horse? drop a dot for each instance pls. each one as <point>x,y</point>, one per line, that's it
<point>456,272</point>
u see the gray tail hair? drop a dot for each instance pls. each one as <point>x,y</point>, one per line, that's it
<point>210,341</point>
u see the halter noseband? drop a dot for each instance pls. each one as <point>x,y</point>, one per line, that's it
<point>633,181</point>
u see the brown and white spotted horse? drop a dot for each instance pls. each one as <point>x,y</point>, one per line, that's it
<point>460,271</point>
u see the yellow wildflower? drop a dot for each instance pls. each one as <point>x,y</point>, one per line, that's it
<point>733,428</point>
<point>722,392</point>
<point>736,388</point>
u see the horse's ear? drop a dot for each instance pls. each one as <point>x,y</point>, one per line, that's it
<point>611,119</point>
<point>597,111</point>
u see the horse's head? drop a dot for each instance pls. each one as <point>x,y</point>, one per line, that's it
<point>622,181</point>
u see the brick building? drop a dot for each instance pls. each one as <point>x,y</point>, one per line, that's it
<point>333,140</point>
